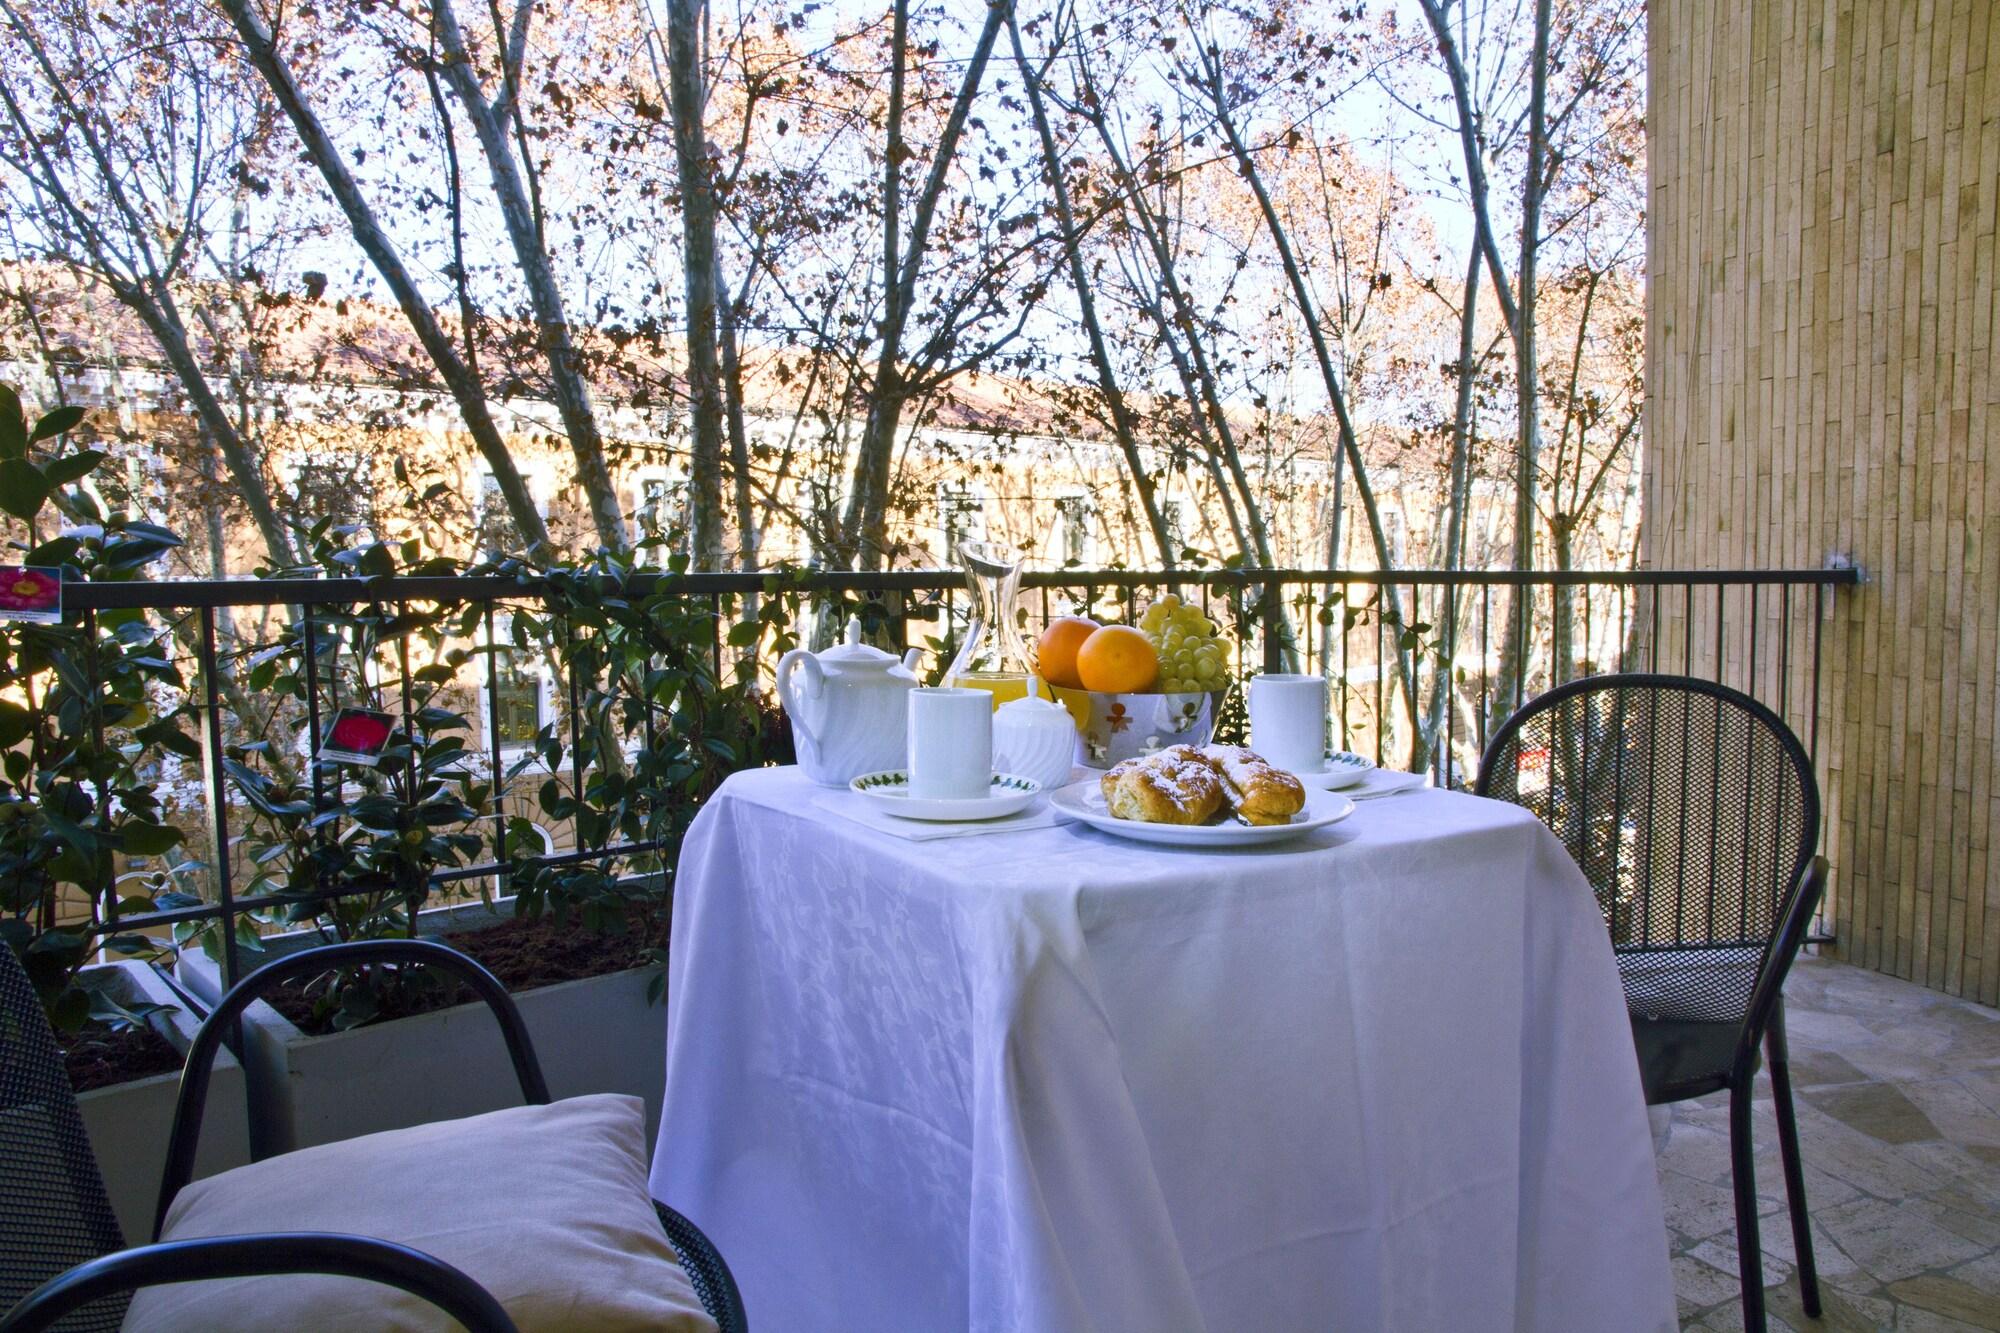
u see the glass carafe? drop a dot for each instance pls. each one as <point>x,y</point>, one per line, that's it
<point>992,656</point>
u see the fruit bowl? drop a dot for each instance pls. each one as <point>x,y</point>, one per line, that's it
<point>1111,728</point>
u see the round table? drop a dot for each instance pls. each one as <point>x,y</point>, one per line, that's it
<point>1051,1079</point>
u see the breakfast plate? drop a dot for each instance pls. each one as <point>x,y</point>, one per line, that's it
<point>890,790</point>
<point>1343,770</point>
<point>1084,802</point>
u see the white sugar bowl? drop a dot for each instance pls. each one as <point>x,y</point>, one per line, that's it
<point>1034,738</point>
<point>848,707</point>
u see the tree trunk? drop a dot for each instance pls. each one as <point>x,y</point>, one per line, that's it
<point>162,319</point>
<point>748,536</point>
<point>465,388</point>
<point>1335,392</point>
<point>147,293</point>
<point>1444,687</point>
<point>1519,313</point>
<point>865,527</point>
<point>685,100</point>
<point>510,189</point>
<point>1100,356</point>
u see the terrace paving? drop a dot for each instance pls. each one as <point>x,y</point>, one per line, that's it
<point>1898,1092</point>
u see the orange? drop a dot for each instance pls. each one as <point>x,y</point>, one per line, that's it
<point>1055,655</point>
<point>1118,660</point>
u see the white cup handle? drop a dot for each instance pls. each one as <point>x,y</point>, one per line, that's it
<point>815,685</point>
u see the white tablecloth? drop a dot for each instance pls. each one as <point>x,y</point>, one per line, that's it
<point>1380,1077</point>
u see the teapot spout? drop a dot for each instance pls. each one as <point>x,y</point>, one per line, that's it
<point>911,658</point>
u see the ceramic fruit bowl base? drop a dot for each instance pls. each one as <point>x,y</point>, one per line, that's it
<point>1343,770</point>
<point>1084,802</point>
<point>1112,728</point>
<point>889,791</point>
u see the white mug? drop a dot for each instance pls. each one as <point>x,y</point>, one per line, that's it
<point>1288,721</point>
<point>951,744</point>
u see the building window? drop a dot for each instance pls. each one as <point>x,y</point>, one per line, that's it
<point>1173,514</point>
<point>520,698</point>
<point>662,517</point>
<point>498,533</point>
<point>516,693</point>
<point>1394,536</point>
<point>1075,518</point>
<point>961,517</point>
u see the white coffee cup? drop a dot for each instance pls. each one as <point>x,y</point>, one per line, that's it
<point>1288,721</point>
<point>951,744</point>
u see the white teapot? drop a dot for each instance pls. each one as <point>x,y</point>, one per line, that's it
<point>848,713</point>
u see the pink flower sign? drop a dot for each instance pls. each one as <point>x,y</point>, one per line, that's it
<point>357,736</point>
<point>30,594</point>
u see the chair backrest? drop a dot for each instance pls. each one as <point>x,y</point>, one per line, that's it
<point>53,1209</point>
<point>1692,810</point>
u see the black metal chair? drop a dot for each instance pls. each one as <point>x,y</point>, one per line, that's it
<point>56,1226</point>
<point>1693,812</point>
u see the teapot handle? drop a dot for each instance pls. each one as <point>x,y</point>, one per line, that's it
<point>815,685</point>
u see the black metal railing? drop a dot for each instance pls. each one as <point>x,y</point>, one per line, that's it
<point>1424,664</point>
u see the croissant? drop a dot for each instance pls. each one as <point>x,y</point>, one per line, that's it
<point>1177,785</point>
<point>1258,792</point>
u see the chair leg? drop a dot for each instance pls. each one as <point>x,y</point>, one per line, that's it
<point>1743,1168</point>
<point>1788,1148</point>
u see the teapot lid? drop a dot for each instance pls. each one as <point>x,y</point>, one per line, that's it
<point>852,654</point>
<point>1033,702</point>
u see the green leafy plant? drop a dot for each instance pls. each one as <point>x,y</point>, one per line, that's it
<point>86,705</point>
<point>349,849</point>
<point>660,719</point>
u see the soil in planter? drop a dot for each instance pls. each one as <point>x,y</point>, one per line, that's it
<point>524,954</point>
<point>99,1057</point>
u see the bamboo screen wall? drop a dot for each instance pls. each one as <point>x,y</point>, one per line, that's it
<point>1824,380</point>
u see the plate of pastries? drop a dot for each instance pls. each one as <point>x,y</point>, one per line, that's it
<point>1201,796</point>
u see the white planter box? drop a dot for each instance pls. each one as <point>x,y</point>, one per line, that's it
<point>128,1122</point>
<point>594,1035</point>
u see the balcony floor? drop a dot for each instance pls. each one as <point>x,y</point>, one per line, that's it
<point>1898,1092</point>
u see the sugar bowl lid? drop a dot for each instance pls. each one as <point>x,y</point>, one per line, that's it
<point>1033,702</point>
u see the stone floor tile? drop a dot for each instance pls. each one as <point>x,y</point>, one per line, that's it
<point>1817,1068</point>
<point>1890,1241</point>
<point>1983,1085</point>
<point>1728,1318</point>
<point>1973,1169</point>
<point>1983,1272</point>
<point>1949,1296</point>
<point>1775,1236</point>
<point>1949,1099</point>
<point>1696,1150</point>
<point>1699,1286</point>
<point>1720,1252</point>
<point>1810,1030</point>
<point>1979,1129</point>
<point>1916,1319</point>
<point>1697,1209</point>
<point>1958,1211</point>
<point>1899,1126</point>
<point>1839,1311</point>
<point>1882,1111</point>
<point>1894,1060</point>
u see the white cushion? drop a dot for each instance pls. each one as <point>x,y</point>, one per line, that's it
<point>544,1206</point>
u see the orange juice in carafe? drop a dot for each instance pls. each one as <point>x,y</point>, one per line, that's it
<point>992,657</point>
<point>1005,685</point>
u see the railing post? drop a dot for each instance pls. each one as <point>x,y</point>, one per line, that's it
<point>1270,612</point>
<point>218,793</point>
